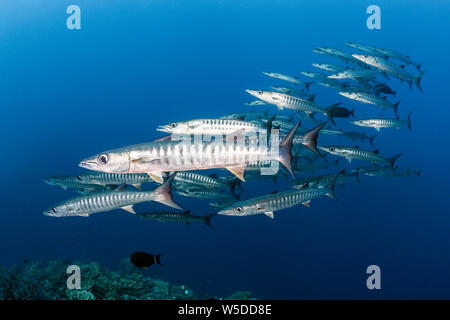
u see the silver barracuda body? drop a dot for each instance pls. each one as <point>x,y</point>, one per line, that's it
<point>350,153</point>
<point>165,156</point>
<point>105,201</point>
<point>210,127</point>
<point>378,123</point>
<point>269,203</point>
<point>282,101</point>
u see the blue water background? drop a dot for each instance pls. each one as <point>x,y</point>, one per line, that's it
<point>65,95</point>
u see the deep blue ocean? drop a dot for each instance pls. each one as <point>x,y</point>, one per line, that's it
<point>134,65</point>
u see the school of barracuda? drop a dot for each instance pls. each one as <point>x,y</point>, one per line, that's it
<point>278,143</point>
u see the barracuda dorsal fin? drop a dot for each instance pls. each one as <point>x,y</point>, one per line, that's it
<point>137,186</point>
<point>162,193</point>
<point>269,214</point>
<point>129,209</point>
<point>156,176</point>
<point>238,171</point>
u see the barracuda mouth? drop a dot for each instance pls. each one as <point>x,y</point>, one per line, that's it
<point>88,164</point>
<point>165,128</point>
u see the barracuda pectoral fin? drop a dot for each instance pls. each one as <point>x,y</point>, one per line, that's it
<point>349,160</point>
<point>378,129</point>
<point>84,214</point>
<point>156,176</point>
<point>137,186</point>
<point>129,209</point>
<point>238,171</point>
<point>307,204</point>
<point>269,214</point>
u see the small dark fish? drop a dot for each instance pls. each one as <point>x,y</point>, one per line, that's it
<point>144,260</point>
<point>340,112</point>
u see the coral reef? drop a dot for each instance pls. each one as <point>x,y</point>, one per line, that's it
<point>36,281</point>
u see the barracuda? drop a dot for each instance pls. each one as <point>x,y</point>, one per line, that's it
<point>329,67</point>
<point>184,191</point>
<point>391,68</point>
<point>370,99</point>
<point>316,181</point>
<point>350,153</point>
<point>399,56</point>
<point>369,49</point>
<point>157,157</point>
<point>186,217</point>
<point>300,93</point>
<point>353,135</point>
<point>103,178</point>
<point>355,74</point>
<point>287,78</point>
<point>345,56</point>
<point>72,182</point>
<point>378,123</point>
<point>210,127</point>
<point>282,100</point>
<point>267,204</point>
<point>105,201</point>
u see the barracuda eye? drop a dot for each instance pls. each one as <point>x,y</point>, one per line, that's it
<point>331,148</point>
<point>238,209</point>
<point>54,210</point>
<point>102,159</point>
<point>79,178</point>
<point>260,92</point>
<point>173,125</point>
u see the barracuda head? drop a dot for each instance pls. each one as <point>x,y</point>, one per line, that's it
<point>350,95</point>
<point>365,58</point>
<point>339,75</point>
<point>63,209</point>
<point>182,127</point>
<point>241,209</point>
<point>267,96</point>
<point>114,161</point>
<point>357,122</point>
<point>338,151</point>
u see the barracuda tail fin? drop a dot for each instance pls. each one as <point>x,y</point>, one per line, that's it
<point>417,79</point>
<point>371,139</point>
<point>396,107</point>
<point>158,259</point>
<point>162,193</point>
<point>357,175</point>
<point>310,138</point>
<point>330,187</point>
<point>285,155</point>
<point>392,159</point>
<point>409,121</point>
<point>307,85</point>
<point>233,184</point>
<point>207,220</point>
